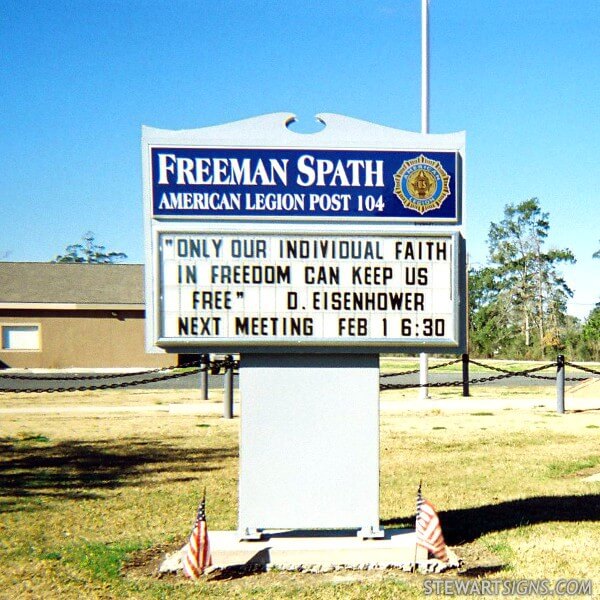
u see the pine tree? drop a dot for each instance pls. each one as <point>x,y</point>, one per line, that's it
<point>528,289</point>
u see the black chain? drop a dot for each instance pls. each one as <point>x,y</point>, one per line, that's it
<point>77,377</point>
<point>504,375</point>
<point>105,386</point>
<point>501,370</point>
<point>430,368</point>
<point>450,362</point>
<point>546,377</point>
<point>581,367</point>
<point>214,367</point>
<point>483,365</point>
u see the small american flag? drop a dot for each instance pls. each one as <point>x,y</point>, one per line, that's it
<point>428,528</point>
<point>197,555</point>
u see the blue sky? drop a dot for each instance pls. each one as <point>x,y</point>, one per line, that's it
<point>78,79</point>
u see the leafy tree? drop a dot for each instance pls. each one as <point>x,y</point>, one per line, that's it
<point>573,344</point>
<point>87,251</point>
<point>526,293</point>
<point>489,335</point>
<point>591,333</point>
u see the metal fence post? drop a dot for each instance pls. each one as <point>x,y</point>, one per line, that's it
<point>228,389</point>
<point>560,384</point>
<point>423,376</point>
<point>204,362</point>
<point>465,375</point>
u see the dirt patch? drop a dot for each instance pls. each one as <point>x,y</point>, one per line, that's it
<point>145,563</point>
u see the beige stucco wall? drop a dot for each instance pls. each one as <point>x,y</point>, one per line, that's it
<point>84,338</point>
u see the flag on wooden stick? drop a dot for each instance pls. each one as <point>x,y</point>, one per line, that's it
<point>197,555</point>
<point>429,529</point>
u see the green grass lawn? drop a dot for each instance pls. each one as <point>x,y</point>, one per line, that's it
<point>83,495</point>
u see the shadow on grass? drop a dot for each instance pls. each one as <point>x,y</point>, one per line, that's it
<point>481,571</point>
<point>256,564</point>
<point>82,470</point>
<point>468,524</point>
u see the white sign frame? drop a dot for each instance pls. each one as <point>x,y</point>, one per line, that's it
<point>271,131</point>
<point>450,340</point>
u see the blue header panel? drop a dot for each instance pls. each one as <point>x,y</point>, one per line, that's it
<point>296,184</point>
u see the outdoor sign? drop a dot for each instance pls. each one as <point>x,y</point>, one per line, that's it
<point>308,254</point>
<point>319,290</point>
<point>261,238</point>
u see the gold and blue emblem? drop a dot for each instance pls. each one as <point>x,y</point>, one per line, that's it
<point>422,184</point>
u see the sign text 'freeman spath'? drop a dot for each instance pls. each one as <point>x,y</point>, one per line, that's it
<point>267,183</point>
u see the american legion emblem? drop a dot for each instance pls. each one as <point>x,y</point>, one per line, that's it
<point>422,184</point>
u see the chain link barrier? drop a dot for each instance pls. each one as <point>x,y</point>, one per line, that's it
<point>413,371</point>
<point>77,377</point>
<point>582,368</point>
<point>505,375</point>
<point>546,377</point>
<point>501,370</point>
<point>216,366</point>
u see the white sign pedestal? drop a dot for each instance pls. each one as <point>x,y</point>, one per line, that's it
<point>309,255</point>
<point>309,447</point>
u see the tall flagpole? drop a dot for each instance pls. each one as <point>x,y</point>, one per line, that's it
<point>423,358</point>
<point>424,66</point>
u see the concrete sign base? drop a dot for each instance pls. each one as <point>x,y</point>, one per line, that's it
<point>312,553</point>
<point>309,447</point>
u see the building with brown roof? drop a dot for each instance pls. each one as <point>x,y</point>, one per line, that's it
<point>59,315</point>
